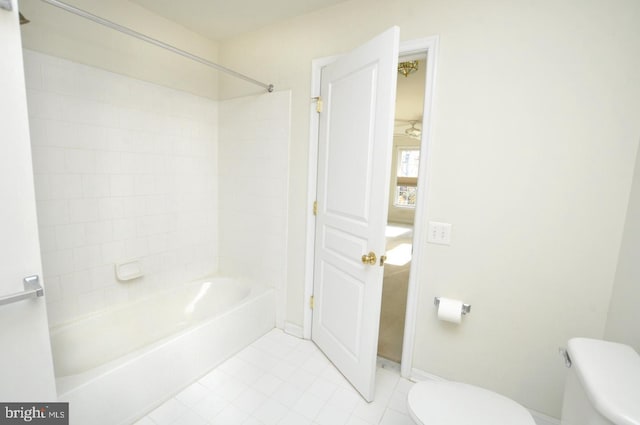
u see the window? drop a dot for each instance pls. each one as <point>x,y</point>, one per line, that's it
<point>407,178</point>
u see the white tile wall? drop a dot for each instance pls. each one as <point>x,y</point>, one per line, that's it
<point>123,169</point>
<point>254,158</point>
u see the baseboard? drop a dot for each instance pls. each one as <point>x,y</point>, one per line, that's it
<point>540,418</point>
<point>420,375</point>
<point>293,329</point>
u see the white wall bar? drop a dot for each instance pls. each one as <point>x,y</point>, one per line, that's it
<point>32,289</point>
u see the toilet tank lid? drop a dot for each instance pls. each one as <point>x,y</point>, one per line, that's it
<point>610,375</point>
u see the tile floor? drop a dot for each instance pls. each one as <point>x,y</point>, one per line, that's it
<point>283,380</point>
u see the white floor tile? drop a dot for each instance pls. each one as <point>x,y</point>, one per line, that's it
<point>398,402</point>
<point>250,374</point>
<point>370,412</point>
<point>345,399</point>
<point>404,385</point>
<point>233,366</point>
<point>391,417</point>
<point>283,380</point>
<point>298,356</point>
<point>385,385</point>
<point>230,415</point>
<point>315,364</point>
<point>294,418</point>
<point>230,389</point>
<point>215,378</point>
<point>271,412</point>
<point>190,418</point>
<point>331,374</point>
<point>145,421</point>
<point>331,415</point>
<point>302,379</point>
<point>267,384</point>
<point>283,370</point>
<point>309,405</point>
<point>323,389</point>
<point>249,400</point>
<point>191,395</point>
<point>386,378</point>
<point>210,406</point>
<point>357,421</point>
<point>168,412</point>
<point>273,347</point>
<point>252,421</point>
<point>287,394</point>
<point>258,358</point>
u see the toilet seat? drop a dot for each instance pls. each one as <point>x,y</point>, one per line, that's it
<point>455,403</point>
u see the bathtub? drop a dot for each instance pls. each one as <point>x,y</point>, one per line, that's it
<point>116,365</point>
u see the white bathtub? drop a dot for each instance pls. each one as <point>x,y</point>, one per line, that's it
<point>116,365</point>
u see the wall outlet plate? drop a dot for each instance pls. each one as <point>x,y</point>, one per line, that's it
<point>439,233</point>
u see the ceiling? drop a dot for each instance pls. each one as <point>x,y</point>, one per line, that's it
<point>219,19</point>
<point>410,96</point>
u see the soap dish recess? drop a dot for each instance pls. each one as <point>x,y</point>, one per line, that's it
<point>128,270</point>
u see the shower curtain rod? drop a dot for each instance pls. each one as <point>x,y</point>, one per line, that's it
<point>153,41</point>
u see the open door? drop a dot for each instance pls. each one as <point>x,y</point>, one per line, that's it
<point>26,374</point>
<point>354,148</point>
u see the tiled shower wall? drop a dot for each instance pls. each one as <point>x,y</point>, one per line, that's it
<point>124,169</point>
<point>254,173</point>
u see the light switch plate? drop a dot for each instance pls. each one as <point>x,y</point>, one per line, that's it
<point>439,233</point>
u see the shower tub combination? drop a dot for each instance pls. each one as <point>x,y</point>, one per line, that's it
<point>115,365</point>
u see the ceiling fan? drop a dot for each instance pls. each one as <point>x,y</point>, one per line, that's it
<point>413,131</point>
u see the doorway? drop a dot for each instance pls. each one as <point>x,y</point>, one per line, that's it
<point>403,191</point>
<point>423,48</point>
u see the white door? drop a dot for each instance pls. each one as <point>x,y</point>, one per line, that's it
<point>354,148</point>
<point>26,368</point>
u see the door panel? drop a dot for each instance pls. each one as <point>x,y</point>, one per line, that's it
<point>350,136</point>
<point>344,245</point>
<point>354,147</point>
<point>344,328</point>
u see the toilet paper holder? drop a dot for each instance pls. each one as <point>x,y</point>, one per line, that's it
<point>466,308</point>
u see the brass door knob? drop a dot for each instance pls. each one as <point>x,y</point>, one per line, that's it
<point>369,258</point>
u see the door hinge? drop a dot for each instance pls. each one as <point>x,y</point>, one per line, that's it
<point>311,302</point>
<point>315,207</point>
<point>318,100</point>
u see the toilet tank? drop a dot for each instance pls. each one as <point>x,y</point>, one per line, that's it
<point>603,384</point>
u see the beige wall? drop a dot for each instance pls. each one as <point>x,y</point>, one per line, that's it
<point>535,132</point>
<point>624,312</point>
<point>59,33</point>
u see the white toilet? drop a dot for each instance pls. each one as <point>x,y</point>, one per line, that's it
<point>455,403</point>
<point>602,388</point>
<point>603,385</point>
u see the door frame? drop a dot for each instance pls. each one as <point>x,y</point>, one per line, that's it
<point>428,45</point>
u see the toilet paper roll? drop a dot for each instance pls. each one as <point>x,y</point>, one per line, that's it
<point>450,310</point>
